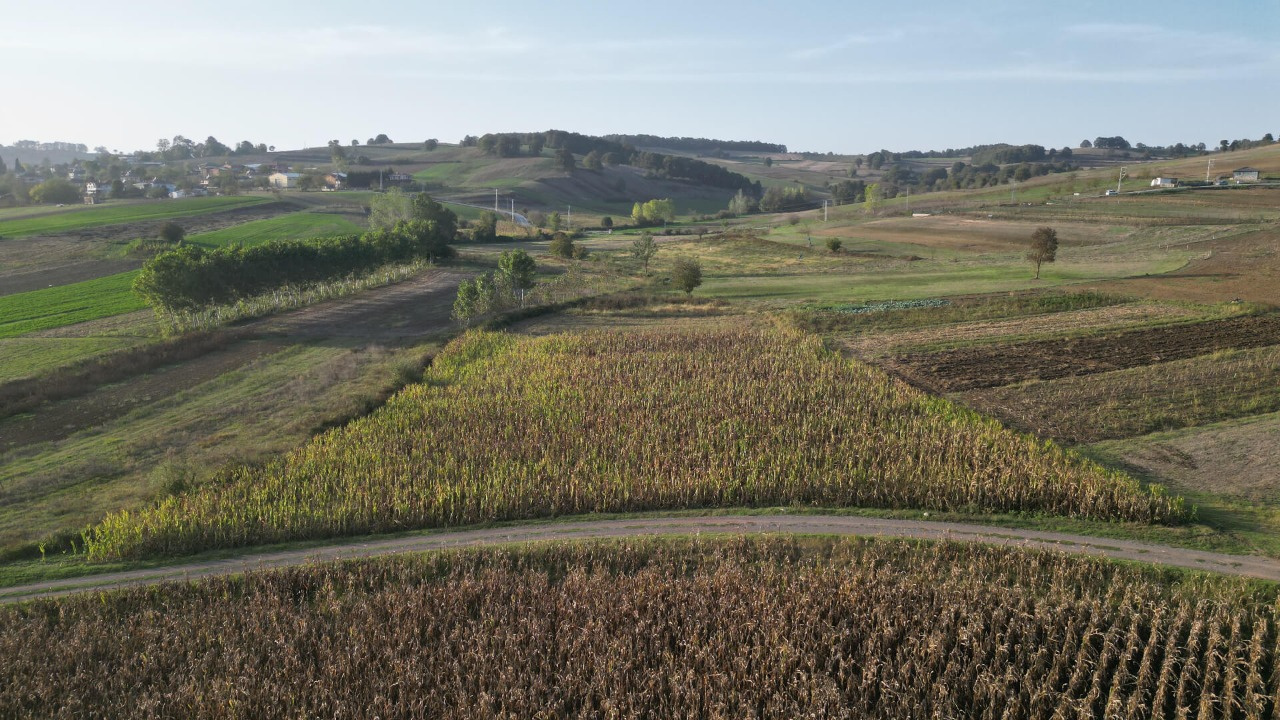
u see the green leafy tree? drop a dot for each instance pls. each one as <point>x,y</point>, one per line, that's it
<point>686,274</point>
<point>172,233</point>
<point>742,204</point>
<point>3,168</point>
<point>833,244</point>
<point>555,221</point>
<point>643,249</point>
<point>564,157</point>
<point>516,270</point>
<point>562,245</point>
<point>389,208</point>
<point>486,228</point>
<point>1044,247</point>
<point>55,190</point>
<point>592,161</point>
<point>874,196</point>
<point>606,222</point>
<point>431,144</point>
<point>466,305</point>
<point>425,208</point>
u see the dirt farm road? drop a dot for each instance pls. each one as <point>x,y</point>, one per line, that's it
<point>1241,565</point>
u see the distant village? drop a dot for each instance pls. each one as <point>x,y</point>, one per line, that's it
<point>92,181</point>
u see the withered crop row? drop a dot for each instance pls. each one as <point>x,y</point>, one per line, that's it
<point>761,628</point>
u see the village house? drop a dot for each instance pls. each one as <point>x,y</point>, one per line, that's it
<point>1245,174</point>
<point>284,180</point>
<point>1164,182</point>
<point>335,180</point>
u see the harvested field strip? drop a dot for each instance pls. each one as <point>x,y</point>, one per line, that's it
<point>994,366</point>
<point>1027,328</point>
<point>93,216</point>
<point>1141,400</point>
<point>508,428</point>
<point>956,310</point>
<point>68,304</point>
<point>775,627</point>
<point>22,358</point>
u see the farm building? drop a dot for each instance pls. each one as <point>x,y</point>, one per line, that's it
<point>284,180</point>
<point>1164,182</point>
<point>1245,174</point>
<point>335,180</point>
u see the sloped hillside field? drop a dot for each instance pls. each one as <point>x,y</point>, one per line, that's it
<point>505,427</point>
<point>745,628</point>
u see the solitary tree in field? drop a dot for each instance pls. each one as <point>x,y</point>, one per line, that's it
<point>172,233</point>
<point>643,249</point>
<point>686,275</point>
<point>833,244</point>
<point>1044,247</point>
<point>517,268</point>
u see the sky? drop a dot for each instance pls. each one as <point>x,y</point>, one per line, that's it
<point>841,76</point>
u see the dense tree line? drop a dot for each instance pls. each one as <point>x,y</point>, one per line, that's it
<point>689,144</point>
<point>190,277</point>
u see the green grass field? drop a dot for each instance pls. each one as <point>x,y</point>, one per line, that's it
<point>111,214</point>
<point>68,304</point>
<point>294,226</point>
<point>24,357</point>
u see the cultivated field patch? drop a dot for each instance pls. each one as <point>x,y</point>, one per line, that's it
<point>1140,400</point>
<point>981,332</point>
<point>68,304</point>
<point>993,366</point>
<point>507,428</point>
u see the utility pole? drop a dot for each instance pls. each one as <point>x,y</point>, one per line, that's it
<point>908,201</point>
<point>1208,169</point>
<point>495,200</point>
<point>824,211</point>
<point>1122,169</point>
<point>379,181</point>
<point>569,222</point>
<point>513,210</point>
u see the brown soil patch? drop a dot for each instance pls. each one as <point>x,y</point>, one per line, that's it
<point>409,310</point>
<point>1074,321</point>
<point>966,234</point>
<point>1244,267</point>
<point>984,367</point>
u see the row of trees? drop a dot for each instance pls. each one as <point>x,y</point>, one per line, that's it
<point>190,277</point>
<point>653,212</point>
<point>600,152</point>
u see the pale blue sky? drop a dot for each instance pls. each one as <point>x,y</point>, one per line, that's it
<point>841,76</point>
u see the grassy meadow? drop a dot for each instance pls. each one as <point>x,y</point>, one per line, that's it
<point>293,226</point>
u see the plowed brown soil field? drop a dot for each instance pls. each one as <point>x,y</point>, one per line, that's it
<point>994,366</point>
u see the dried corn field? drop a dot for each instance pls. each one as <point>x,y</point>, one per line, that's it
<point>505,427</point>
<point>743,628</point>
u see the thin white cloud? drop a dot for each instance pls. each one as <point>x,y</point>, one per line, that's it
<point>815,51</point>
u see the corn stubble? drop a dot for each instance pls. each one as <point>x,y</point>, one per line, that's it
<point>505,427</point>
<point>746,628</point>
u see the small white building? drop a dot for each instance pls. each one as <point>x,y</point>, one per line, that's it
<point>284,180</point>
<point>1245,174</point>
<point>1164,182</point>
